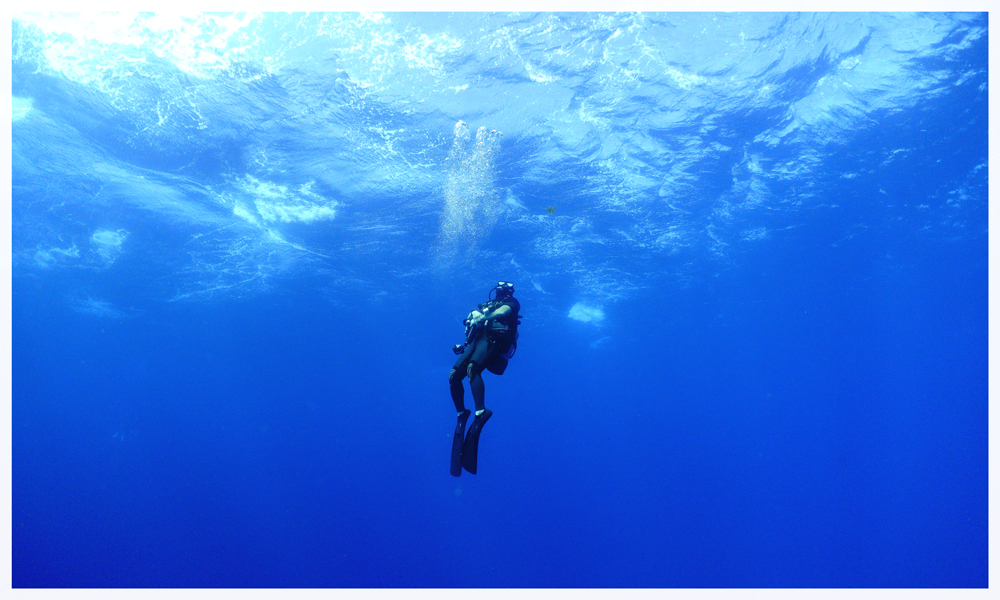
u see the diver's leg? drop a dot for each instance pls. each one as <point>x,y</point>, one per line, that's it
<point>478,360</point>
<point>457,389</point>
<point>456,376</point>
<point>477,386</point>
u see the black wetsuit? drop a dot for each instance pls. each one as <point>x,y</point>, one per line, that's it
<point>485,349</point>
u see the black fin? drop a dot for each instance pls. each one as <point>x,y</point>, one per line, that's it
<point>457,444</point>
<point>470,451</point>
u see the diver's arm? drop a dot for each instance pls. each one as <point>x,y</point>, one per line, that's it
<point>476,317</point>
<point>503,310</point>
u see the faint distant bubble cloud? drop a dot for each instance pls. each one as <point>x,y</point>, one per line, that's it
<point>46,258</point>
<point>97,308</point>
<point>108,244</point>
<point>471,201</point>
<point>282,204</point>
<point>513,201</point>
<point>600,342</point>
<point>586,313</point>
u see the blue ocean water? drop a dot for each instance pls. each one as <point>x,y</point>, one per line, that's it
<point>750,252</point>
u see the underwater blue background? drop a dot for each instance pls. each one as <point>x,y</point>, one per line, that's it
<point>750,251</point>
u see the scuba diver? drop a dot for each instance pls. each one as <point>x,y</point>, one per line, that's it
<point>490,341</point>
